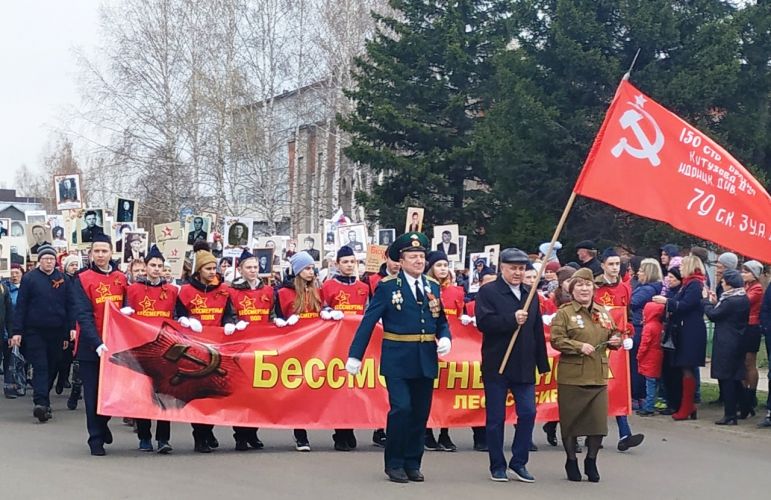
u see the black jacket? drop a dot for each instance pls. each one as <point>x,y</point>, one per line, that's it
<point>730,318</point>
<point>43,305</point>
<point>6,309</point>
<point>495,308</point>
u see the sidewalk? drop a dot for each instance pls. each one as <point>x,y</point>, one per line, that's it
<point>762,377</point>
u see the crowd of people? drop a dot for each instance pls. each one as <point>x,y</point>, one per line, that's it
<point>654,307</point>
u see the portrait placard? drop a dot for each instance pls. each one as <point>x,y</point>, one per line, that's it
<point>198,228</point>
<point>35,216</point>
<point>309,242</point>
<point>355,237</point>
<point>474,278</point>
<point>238,235</point>
<point>5,257</point>
<point>56,223</point>
<point>135,245</point>
<point>125,210</point>
<point>446,239</point>
<point>67,190</point>
<point>330,236</point>
<point>264,258</point>
<point>38,234</point>
<point>168,232</point>
<point>493,253</point>
<point>386,236</point>
<point>119,230</point>
<point>174,253</point>
<point>90,224</point>
<point>414,221</point>
<point>18,249</point>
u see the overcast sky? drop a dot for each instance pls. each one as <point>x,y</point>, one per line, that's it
<point>37,64</point>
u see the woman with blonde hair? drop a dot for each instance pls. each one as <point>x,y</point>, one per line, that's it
<point>300,299</point>
<point>685,322</point>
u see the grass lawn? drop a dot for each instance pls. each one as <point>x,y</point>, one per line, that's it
<point>709,392</point>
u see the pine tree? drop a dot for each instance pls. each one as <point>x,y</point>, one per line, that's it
<point>419,93</point>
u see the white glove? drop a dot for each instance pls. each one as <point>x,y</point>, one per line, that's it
<point>127,311</point>
<point>628,343</point>
<point>325,314</point>
<point>353,366</point>
<point>443,346</point>
<point>229,328</point>
<point>474,320</point>
<point>465,319</point>
<point>292,320</point>
<point>101,350</point>
<point>184,322</point>
<point>547,318</point>
<point>337,315</point>
<point>241,325</point>
<point>195,325</point>
<point>279,322</point>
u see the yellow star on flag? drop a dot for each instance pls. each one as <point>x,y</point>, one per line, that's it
<point>103,289</point>
<point>198,301</point>
<point>342,298</point>
<point>247,303</point>
<point>147,304</point>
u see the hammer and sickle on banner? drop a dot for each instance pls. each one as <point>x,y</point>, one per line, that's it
<point>648,150</point>
<point>179,351</point>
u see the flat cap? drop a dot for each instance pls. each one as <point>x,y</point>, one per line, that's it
<point>587,244</point>
<point>513,256</point>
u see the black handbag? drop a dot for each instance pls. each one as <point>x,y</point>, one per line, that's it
<point>670,334</point>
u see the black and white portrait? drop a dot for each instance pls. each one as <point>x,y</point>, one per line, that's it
<point>125,210</point>
<point>238,234</point>
<point>197,228</point>
<point>355,237</point>
<point>414,220</point>
<point>37,236</point>
<point>17,229</point>
<point>35,216</point>
<point>446,239</point>
<point>91,223</point>
<point>67,189</point>
<point>309,242</point>
<point>134,246</point>
<point>264,258</point>
<point>386,236</point>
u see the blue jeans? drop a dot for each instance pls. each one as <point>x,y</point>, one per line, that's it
<point>650,393</point>
<point>623,427</point>
<point>496,390</point>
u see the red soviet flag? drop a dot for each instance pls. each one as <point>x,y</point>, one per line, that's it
<point>648,161</point>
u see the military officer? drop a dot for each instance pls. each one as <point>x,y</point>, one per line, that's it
<point>414,331</point>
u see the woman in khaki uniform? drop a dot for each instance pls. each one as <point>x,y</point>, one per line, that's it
<point>581,331</point>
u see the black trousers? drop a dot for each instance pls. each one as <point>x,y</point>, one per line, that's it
<point>202,432</point>
<point>96,424</point>
<point>244,433</point>
<point>410,401</point>
<point>44,352</point>
<point>162,429</point>
<point>730,390</point>
<point>63,368</point>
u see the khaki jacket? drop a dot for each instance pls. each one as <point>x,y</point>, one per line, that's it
<point>572,326</point>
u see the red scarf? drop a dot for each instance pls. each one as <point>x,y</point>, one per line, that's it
<point>696,276</point>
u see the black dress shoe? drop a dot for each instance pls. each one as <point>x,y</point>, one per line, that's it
<point>397,475</point>
<point>212,442</point>
<point>242,445</point>
<point>40,413</point>
<point>97,450</point>
<point>202,447</point>
<point>480,446</point>
<point>352,441</point>
<point>342,446</point>
<point>107,436</point>
<point>430,443</point>
<point>550,428</point>
<point>571,468</point>
<point>726,421</point>
<point>255,443</point>
<point>415,475</point>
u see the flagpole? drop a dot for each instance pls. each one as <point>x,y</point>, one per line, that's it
<point>533,289</point>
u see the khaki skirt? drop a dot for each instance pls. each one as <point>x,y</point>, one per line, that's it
<point>583,410</point>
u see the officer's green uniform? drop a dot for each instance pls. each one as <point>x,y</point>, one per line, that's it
<point>409,360</point>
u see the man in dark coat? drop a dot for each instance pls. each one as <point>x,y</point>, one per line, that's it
<point>499,312</point>
<point>587,255</point>
<point>45,319</point>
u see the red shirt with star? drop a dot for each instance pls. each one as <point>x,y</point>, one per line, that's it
<point>252,305</point>
<point>152,301</point>
<point>616,297</point>
<point>100,289</point>
<point>452,300</point>
<point>208,307</point>
<point>349,298</point>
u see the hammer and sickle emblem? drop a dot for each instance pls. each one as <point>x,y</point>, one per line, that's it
<point>179,351</point>
<point>647,150</point>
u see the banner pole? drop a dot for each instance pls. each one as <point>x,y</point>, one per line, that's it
<point>533,289</point>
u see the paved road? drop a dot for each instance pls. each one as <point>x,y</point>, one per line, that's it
<point>677,461</point>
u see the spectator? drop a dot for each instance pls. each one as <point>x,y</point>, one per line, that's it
<point>686,321</point>
<point>650,355</point>
<point>729,314</point>
<point>587,254</point>
<point>668,251</point>
<point>649,285</point>
<point>765,323</point>
<point>725,261</point>
<point>750,273</point>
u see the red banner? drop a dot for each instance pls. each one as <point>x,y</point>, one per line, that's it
<point>648,161</point>
<point>291,377</point>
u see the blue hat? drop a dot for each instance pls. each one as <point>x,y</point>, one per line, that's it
<point>434,257</point>
<point>244,256</point>
<point>609,252</point>
<point>408,242</point>
<point>733,278</point>
<point>101,238</point>
<point>345,251</point>
<point>300,261</point>
<point>154,253</point>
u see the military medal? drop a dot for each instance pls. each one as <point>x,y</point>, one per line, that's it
<point>397,299</point>
<point>433,303</point>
